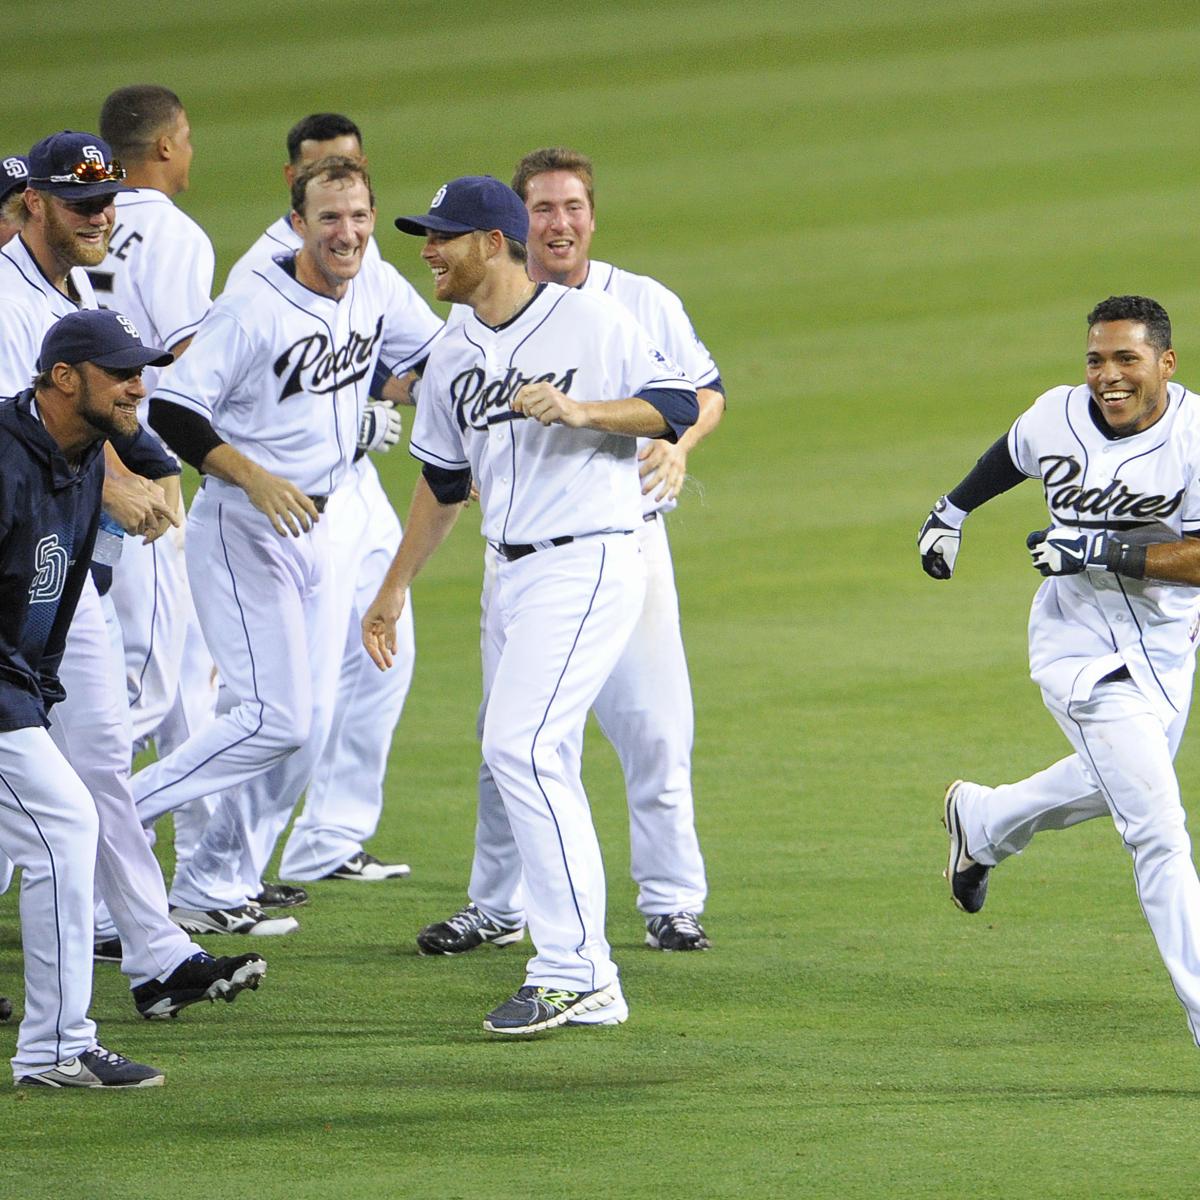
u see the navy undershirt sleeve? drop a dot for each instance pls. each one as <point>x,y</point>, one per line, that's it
<point>186,432</point>
<point>450,487</point>
<point>679,409</point>
<point>142,454</point>
<point>994,473</point>
<point>717,385</point>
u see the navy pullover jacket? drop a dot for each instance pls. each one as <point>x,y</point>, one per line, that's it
<point>49,512</point>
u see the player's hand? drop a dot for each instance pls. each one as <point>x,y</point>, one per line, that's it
<point>173,492</point>
<point>938,544</point>
<point>288,508</point>
<point>663,468</point>
<point>1063,551</point>
<point>139,506</point>
<point>547,405</point>
<point>379,626</point>
<point>380,427</point>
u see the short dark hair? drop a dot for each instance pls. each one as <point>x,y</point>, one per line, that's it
<point>1141,309</point>
<point>516,250</point>
<point>554,158</point>
<point>332,169</point>
<point>319,127</point>
<point>132,117</point>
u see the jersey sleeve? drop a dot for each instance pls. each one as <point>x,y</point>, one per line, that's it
<point>436,438</point>
<point>1023,436</point>
<point>20,341</point>
<point>205,377</point>
<point>1189,515</point>
<point>410,329</point>
<point>672,329</point>
<point>178,299</point>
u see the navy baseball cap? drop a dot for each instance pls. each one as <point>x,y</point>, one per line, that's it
<point>75,166</point>
<point>100,336</point>
<point>14,175</point>
<point>472,202</point>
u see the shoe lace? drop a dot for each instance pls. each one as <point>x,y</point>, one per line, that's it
<point>111,1057</point>
<point>466,919</point>
<point>685,923</point>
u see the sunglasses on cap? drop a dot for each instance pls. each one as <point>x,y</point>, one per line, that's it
<point>91,172</point>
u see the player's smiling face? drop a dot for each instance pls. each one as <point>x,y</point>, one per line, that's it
<point>458,264</point>
<point>561,224</point>
<point>77,232</point>
<point>1127,375</point>
<point>336,226</point>
<point>108,398</point>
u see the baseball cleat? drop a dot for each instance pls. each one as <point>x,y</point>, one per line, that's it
<point>5,1008</point>
<point>247,918</point>
<point>464,931</point>
<point>534,1009</point>
<point>200,977</point>
<point>676,931</point>
<point>96,1068</point>
<point>281,895</point>
<point>366,868</point>
<point>968,879</point>
<point>108,950</point>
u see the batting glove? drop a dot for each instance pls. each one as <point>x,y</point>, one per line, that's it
<point>380,427</point>
<point>1062,551</point>
<point>938,542</point>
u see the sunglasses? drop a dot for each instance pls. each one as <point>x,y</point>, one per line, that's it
<point>91,172</point>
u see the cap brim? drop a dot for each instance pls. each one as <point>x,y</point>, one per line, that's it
<point>134,356</point>
<point>423,224</point>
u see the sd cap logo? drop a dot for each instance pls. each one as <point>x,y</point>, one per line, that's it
<point>14,168</point>
<point>438,197</point>
<point>92,154</point>
<point>129,327</point>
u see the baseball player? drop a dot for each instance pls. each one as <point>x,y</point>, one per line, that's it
<point>345,795</point>
<point>14,171</point>
<point>539,395</point>
<point>267,403</point>
<point>69,215</point>
<point>158,272</point>
<point>645,708</point>
<point>1113,628</point>
<point>86,389</point>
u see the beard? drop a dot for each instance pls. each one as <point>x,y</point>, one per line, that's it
<point>106,418</point>
<point>464,277</point>
<point>62,240</point>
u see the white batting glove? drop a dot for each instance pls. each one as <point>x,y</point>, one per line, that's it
<point>380,428</point>
<point>940,539</point>
<point>1063,551</point>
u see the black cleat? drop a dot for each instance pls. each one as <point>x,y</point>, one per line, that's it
<point>676,931</point>
<point>968,879</point>
<point>200,977</point>
<point>281,895</point>
<point>96,1068</point>
<point>464,931</point>
<point>108,950</point>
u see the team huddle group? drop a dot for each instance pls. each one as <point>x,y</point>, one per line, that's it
<point>266,655</point>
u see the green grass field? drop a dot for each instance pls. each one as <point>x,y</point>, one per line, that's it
<point>888,223</point>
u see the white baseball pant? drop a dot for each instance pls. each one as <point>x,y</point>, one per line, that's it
<point>1122,765</point>
<point>345,794</point>
<point>266,611</point>
<point>645,711</point>
<point>91,728</point>
<point>558,621</point>
<point>49,828</point>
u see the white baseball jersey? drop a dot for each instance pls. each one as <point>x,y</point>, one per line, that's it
<point>282,373</point>
<point>540,482</point>
<point>29,305</point>
<point>280,238</point>
<point>1083,627</point>
<point>158,272</point>
<point>661,314</point>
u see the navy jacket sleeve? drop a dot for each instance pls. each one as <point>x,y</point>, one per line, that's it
<point>143,455</point>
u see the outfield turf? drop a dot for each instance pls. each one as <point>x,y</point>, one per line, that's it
<point>887,222</point>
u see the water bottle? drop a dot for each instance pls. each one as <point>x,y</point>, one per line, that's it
<point>110,537</point>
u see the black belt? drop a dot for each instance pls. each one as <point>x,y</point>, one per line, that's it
<point>319,502</point>
<point>650,516</point>
<point>511,551</point>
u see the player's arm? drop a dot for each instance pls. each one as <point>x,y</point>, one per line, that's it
<point>141,506</point>
<point>653,413</point>
<point>1062,550</point>
<point>436,503</point>
<point>664,464</point>
<point>941,534</point>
